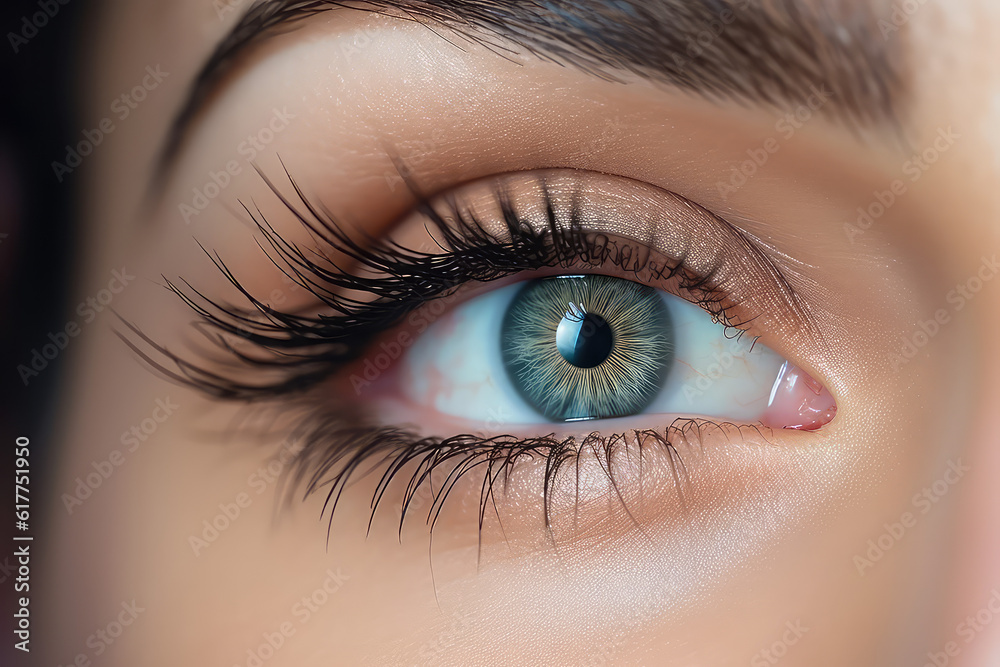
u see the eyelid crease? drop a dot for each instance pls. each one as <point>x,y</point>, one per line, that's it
<point>772,54</point>
<point>719,254</point>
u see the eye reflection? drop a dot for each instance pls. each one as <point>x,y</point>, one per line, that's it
<point>523,354</point>
<point>583,339</point>
<point>587,347</point>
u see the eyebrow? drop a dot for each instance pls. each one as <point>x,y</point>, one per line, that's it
<point>772,53</point>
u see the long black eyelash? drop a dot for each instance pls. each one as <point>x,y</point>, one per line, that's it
<point>326,465</point>
<point>294,352</point>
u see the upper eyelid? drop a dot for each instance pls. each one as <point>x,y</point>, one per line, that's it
<point>269,329</point>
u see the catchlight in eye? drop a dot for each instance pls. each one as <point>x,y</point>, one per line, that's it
<point>587,347</point>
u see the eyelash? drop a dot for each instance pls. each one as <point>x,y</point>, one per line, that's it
<point>305,350</point>
<point>324,460</point>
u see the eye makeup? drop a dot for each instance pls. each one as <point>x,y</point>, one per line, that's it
<point>543,223</point>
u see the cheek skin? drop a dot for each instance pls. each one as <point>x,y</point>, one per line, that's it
<point>658,554</point>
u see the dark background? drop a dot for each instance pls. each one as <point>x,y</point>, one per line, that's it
<point>38,241</point>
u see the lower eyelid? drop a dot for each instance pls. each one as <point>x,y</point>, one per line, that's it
<point>596,490</point>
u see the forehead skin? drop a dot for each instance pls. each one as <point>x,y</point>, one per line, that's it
<point>956,83</point>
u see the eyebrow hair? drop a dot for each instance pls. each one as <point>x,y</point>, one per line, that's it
<point>771,53</point>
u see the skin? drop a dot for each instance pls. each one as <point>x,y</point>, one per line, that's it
<point>761,555</point>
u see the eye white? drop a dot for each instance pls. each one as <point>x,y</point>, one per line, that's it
<point>456,368</point>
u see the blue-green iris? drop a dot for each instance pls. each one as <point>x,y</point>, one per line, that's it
<point>587,347</point>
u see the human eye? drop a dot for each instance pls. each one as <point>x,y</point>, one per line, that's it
<point>526,317</point>
<point>636,334</point>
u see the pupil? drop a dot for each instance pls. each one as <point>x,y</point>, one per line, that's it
<point>584,339</point>
<point>611,364</point>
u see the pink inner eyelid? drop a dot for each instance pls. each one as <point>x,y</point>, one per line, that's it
<point>798,401</point>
